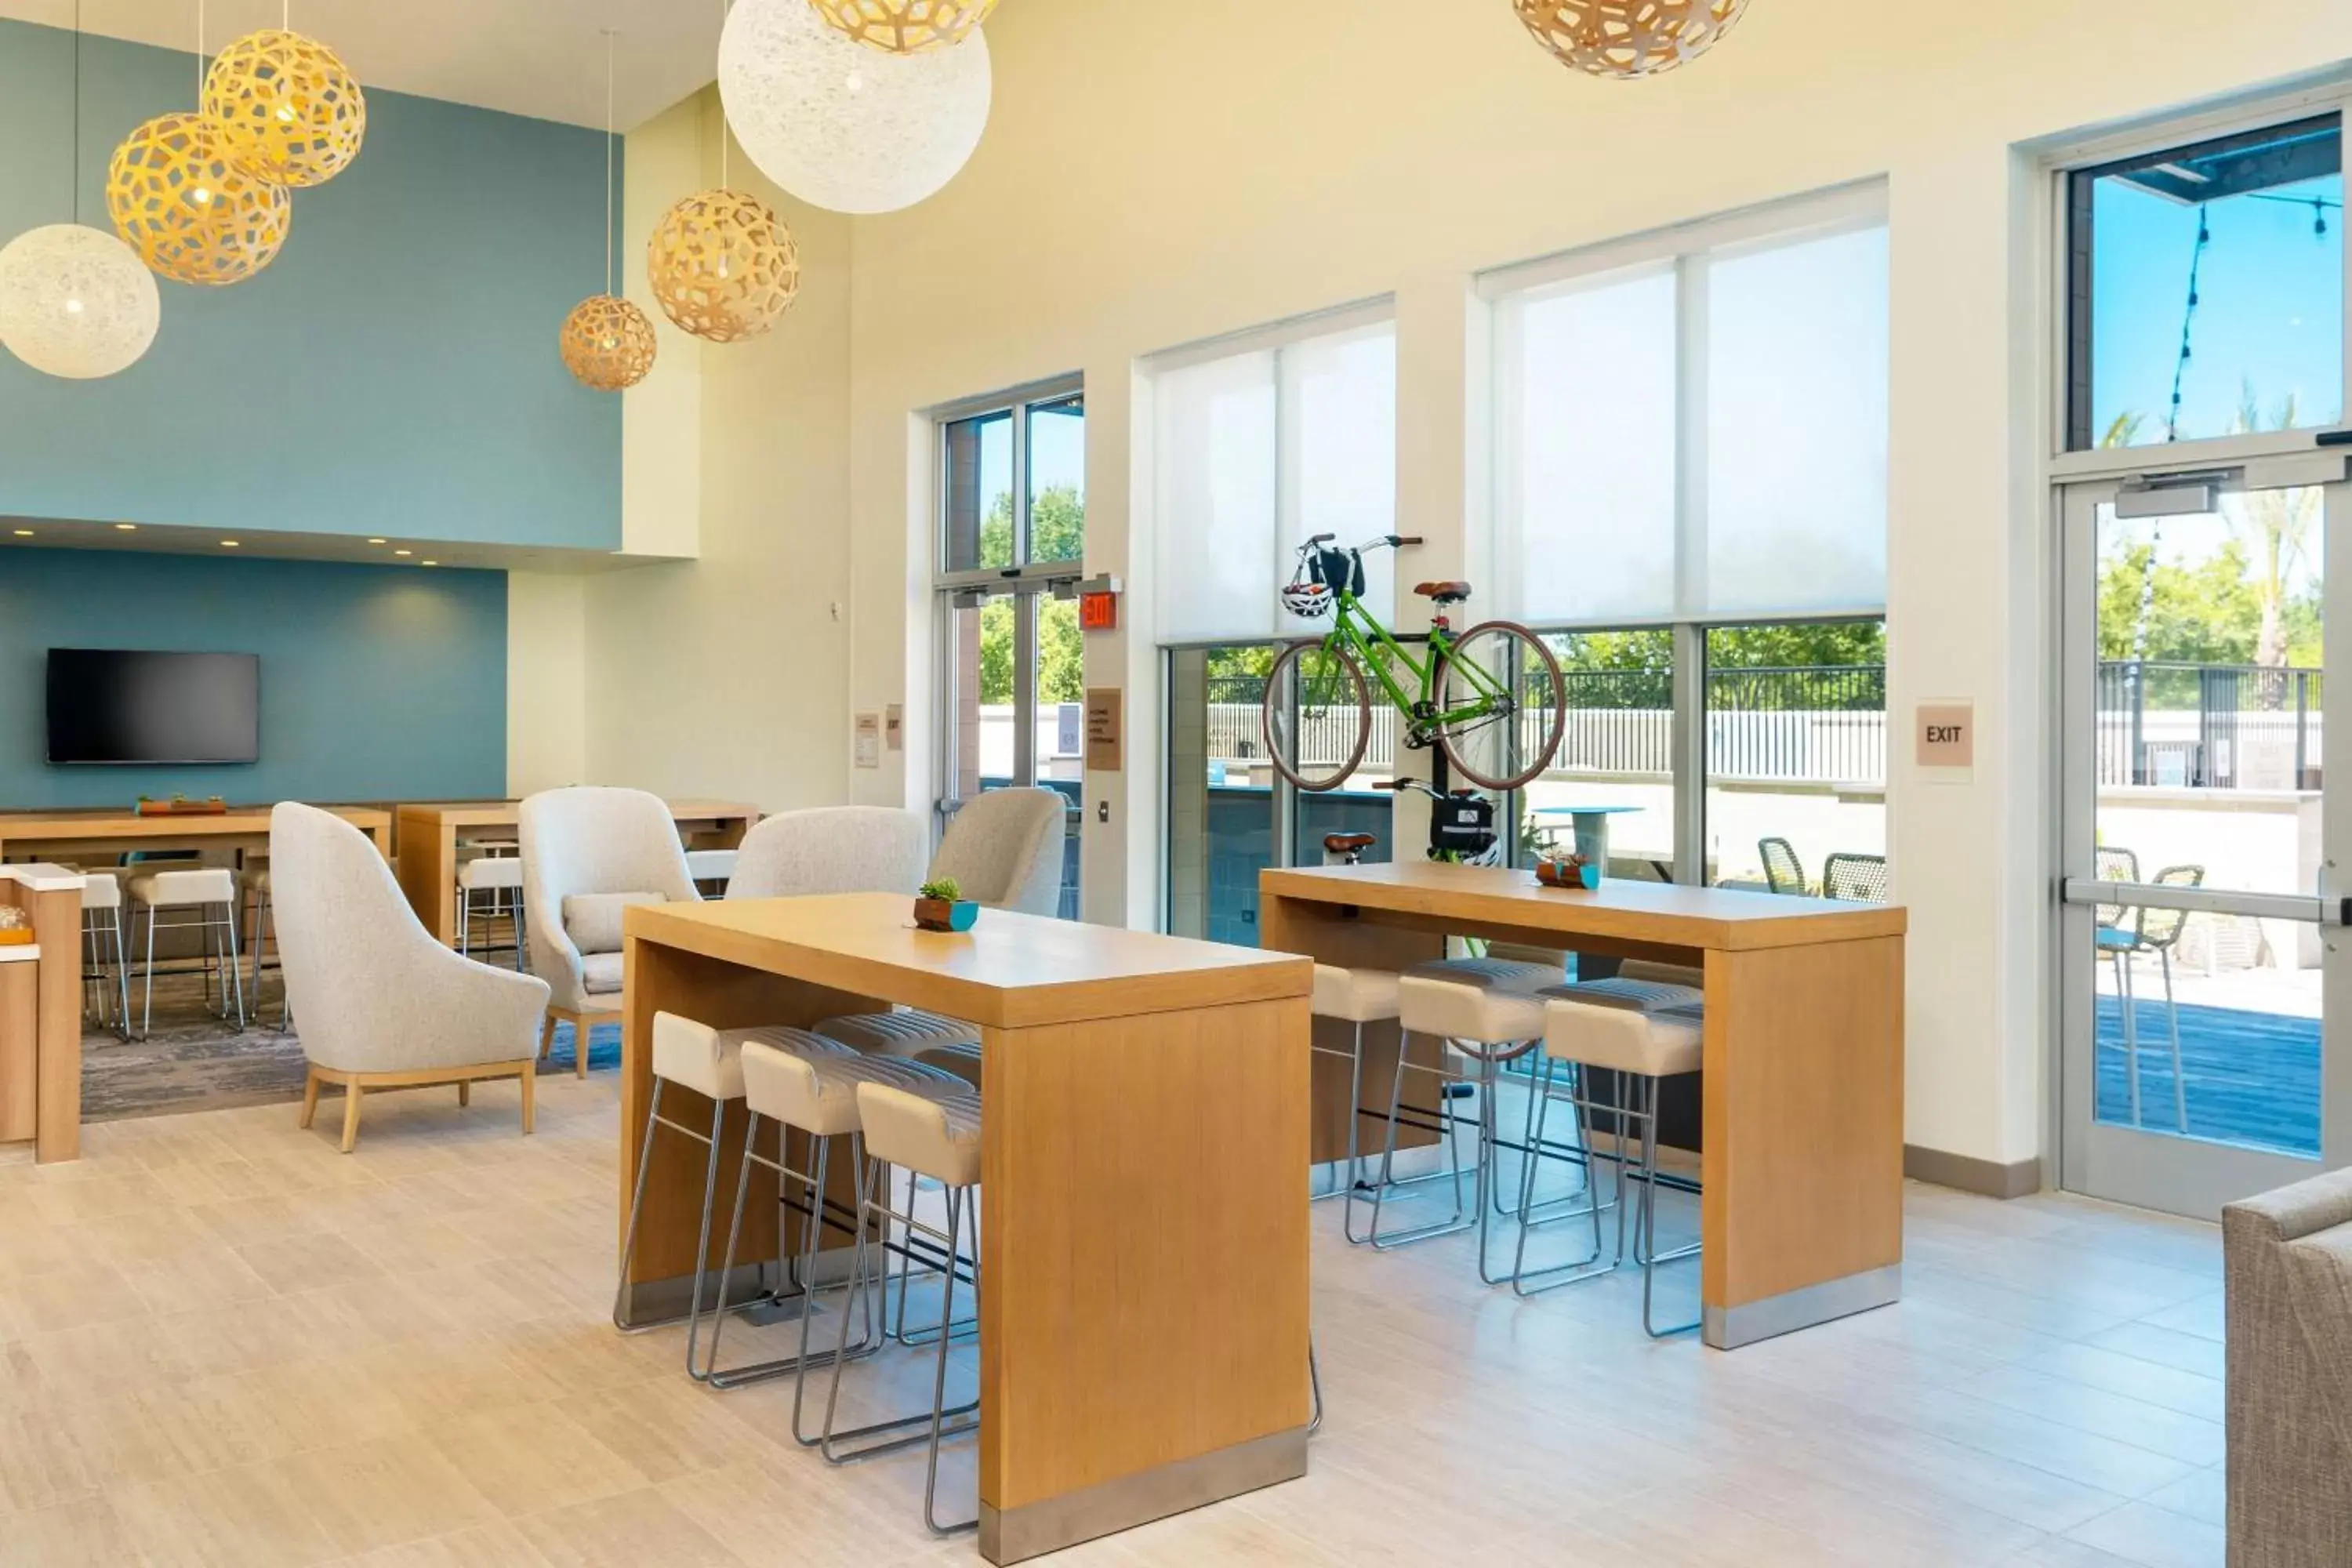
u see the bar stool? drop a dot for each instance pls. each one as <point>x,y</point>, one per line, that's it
<point>940,1139</point>
<point>200,892</point>
<point>253,889</point>
<point>101,924</point>
<point>901,1032</point>
<point>1488,1011</point>
<point>711,870</point>
<point>1617,1027</point>
<point>817,1097</point>
<point>710,1063</point>
<point>1357,998</point>
<point>501,875</point>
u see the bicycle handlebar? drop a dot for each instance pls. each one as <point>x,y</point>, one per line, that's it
<point>1382,542</point>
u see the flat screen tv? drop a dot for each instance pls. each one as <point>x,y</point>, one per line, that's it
<point>122,707</point>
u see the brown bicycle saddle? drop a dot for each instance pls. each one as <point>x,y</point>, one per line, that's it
<point>1443,593</point>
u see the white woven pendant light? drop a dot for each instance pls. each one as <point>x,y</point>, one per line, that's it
<point>75,302</point>
<point>842,126</point>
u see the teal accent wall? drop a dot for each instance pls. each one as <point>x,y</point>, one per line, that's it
<point>376,684</point>
<point>393,371</point>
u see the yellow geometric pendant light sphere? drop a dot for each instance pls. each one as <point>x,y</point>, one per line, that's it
<point>179,199</point>
<point>722,266</point>
<point>845,127</point>
<point>292,114</point>
<point>905,27</point>
<point>608,344</point>
<point>75,302</point>
<point>1628,38</point>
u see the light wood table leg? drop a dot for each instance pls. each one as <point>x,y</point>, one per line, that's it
<point>1803,1215</point>
<point>57,927</point>
<point>1143,1289</point>
<point>428,874</point>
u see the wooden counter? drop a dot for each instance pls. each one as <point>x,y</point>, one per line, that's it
<point>40,1014</point>
<point>1801,1217</point>
<point>431,831</point>
<point>74,835</point>
<point>1143,1291</point>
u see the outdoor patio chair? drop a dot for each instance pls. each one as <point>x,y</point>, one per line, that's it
<point>2138,931</point>
<point>1858,876</point>
<point>1783,872</point>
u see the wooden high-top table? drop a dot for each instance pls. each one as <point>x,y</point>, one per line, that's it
<point>1801,1113</point>
<point>430,832</point>
<point>1143,1282</point>
<point>70,834</point>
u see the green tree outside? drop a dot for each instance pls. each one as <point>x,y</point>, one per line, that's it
<point>1057,532</point>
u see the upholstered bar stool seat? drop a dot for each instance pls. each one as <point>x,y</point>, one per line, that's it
<point>200,890</point>
<point>962,1059</point>
<point>1355,995</point>
<point>694,1056</point>
<point>710,866</point>
<point>109,973</point>
<point>902,1031</point>
<point>818,1094</point>
<point>1478,1001</point>
<point>488,873</point>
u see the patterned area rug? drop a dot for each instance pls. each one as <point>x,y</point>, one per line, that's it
<point>194,1061</point>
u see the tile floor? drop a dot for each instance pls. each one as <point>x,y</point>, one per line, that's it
<point>223,1344</point>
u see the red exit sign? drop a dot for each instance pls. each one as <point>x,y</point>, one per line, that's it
<point>1098,611</point>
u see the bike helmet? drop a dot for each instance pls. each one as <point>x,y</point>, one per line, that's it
<point>1309,601</point>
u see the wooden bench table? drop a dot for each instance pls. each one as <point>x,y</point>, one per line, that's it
<point>1143,1283</point>
<point>1801,1216</point>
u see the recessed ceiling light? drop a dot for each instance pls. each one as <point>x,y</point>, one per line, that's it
<point>403,552</point>
<point>229,544</point>
<point>127,527</point>
<point>376,542</point>
<point>428,563</point>
<point>23,533</point>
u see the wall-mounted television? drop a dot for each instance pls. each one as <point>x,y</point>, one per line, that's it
<point>116,706</point>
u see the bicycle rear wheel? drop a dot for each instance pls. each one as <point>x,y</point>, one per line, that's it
<point>1317,715</point>
<point>1507,679</point>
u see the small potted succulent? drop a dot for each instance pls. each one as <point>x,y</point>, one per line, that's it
<point>939,905</point>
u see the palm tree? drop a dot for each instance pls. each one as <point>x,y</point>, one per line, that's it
<point>2275,525</point>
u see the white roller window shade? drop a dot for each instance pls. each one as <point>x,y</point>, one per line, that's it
<point>1702,439</point>
<point>1254,453</point>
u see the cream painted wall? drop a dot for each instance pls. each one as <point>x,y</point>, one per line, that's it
<point>547,682</point>
<point>1154,175</point>
<point>727,675</point>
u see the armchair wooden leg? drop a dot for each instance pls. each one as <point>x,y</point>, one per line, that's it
<point>465,1092</point>
<point>310,1098</point>
<point>350,1114</point>
<point>530,1096</point>
<point>547,1036</point>
<point>580,1047</point>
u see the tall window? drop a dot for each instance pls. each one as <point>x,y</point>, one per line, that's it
<point>1012,542</point>
<point>1258,448</point>
<point>2206,288</point>
<point>1690,500</point>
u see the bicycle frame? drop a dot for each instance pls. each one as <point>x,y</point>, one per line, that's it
<point>1359,631</point>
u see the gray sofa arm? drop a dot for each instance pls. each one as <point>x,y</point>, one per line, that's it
<point>2290,1213</point>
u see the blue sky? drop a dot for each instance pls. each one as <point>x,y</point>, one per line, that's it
<point>2270,311</point>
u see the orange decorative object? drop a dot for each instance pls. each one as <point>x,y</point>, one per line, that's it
<point>724,266</point>
<point>180,805</point>
<point>1628,38</point>
<point>607,343</point>
<point>178,199</point>
<point>905,27</point>
<point>289,110</point>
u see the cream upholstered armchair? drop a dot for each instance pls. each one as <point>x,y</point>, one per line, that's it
<point>1004,847</point>
<point>381,1004</point>
<point>588,854</point>
<point>831,849</point>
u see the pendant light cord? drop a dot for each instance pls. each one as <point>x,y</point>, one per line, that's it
<point>723,134</point>
<point>199,54</point>
<point>77,114</point>
<point>609,261</point>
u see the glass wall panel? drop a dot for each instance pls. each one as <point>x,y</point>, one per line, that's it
<point>1796,757</point>
<point>1617,751</point>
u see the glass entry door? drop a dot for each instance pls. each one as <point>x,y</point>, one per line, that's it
<point>2202,907</point>
<point>1014,683</point>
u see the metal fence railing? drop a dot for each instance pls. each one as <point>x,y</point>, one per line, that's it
<point>2208,726</point>
<point>2192,726</point>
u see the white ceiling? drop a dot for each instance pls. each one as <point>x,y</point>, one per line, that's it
<point>539,57</point>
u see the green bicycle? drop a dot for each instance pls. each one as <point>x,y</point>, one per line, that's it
<point>1491,698</point>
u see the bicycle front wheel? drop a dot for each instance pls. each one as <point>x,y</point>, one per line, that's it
<point>1317,715</point>
<point>1503,707</point>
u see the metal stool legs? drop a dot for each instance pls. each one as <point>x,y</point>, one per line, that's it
<point>654,1118</point>
<point>231,973</point>
<point>873,1178</point>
